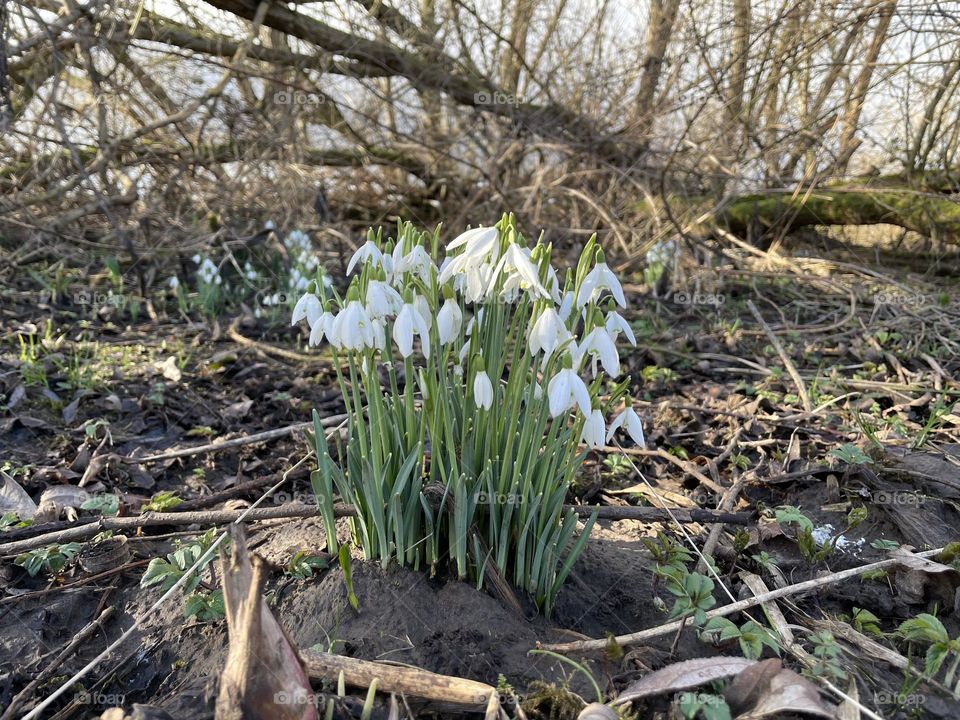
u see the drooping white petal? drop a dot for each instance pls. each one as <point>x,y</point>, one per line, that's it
<point>367,251</point>
<point>323,326</point>
<point>382,300</point>
<point>308,306</point>
<point>635,428</point>
<point>476,239</point>
<point>449,321</point>
<point>483,390</point>
<point>599,343</point>
<point>598,279</point>
<point>403,330</point>
<point>565,389</point>
<point>616,424</point>
<point>593,427</point>
<point>616,324</point>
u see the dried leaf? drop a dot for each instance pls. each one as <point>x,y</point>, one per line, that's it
<point>785,692</point>
<point>13,498</point>
<point>684,676</point>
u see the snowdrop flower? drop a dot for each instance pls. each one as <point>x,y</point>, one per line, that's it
<point>250,272</point>
<point>382,300</point>
<point>482,387</point>
<point>479,241</point>
<point>408,322</point>
<point>417,261</point>
<point>353,328</point>
<point>308,307</point>
<point>366,252</point>
<point>566,389</point>
<point>516,261</point>
<point>629,420</point>
<point>548,333</point>
<point>616,324</point>
<point>601,344</point>
<point>566,306</point>
<point>479,282</point>
<point>323,326</point>
<point>598,279</point>
<point>173,283</point>
<point>196,259</point>
<point>449,320</point>
<point>268,225</point>
<point>593,427</point>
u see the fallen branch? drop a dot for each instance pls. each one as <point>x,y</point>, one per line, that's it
<point>220,517</point>
<point>672,627</point>
<point>401,679</point>
<point>791,368</point>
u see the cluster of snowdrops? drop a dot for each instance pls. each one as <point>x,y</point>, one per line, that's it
<point>474,386</point>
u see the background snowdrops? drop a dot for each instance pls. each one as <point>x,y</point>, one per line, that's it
<point>464,380</point>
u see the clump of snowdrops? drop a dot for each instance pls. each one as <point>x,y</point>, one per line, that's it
<point>473,387</point>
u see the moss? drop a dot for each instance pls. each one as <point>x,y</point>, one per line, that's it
<point>546,701</point>
<point>926,214</point>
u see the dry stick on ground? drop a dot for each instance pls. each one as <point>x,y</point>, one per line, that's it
<point>401,679</point>
<point>219,517</point>
<point>79,583</point>
<point>797,380</point>
<point>50,669</point>
<point>268,349</point>
<point>672,627</point>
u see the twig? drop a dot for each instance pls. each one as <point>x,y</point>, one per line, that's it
<point>787,363</point>
<point>331,421</point>
<point>790,590</point>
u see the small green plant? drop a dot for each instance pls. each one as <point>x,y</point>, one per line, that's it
<point>693,593</point>
<point>790,515</point>
<point>204,606</point>
<point>104,504</point>
<point>927,629</point>
<point>885,545</point>
<point>751,636</point>
<point>52,558</point>
<point>617,465</point>
<point>32,371</point>
<point>166,572</point>
<point>866,622</point>
<point>161,502</point>
<point>347,566</point>
<point>302,565</point>
<point>851,455</point>
<point>10,520</point>
<point>826,650</point>
<point>766,562</point>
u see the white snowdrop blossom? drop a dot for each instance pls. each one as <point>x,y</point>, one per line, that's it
<point>616,324</point>
<point>352,329</point>
<point>565,390</point>
<point>548,333</point>
<point>382,300</point>
<point>630,421</point>
<point>449,321</point>
<point>483,390</point>
<point>368,252</point>
<point>309,307</point>
<point>323,326</point>
<point>599,279</point>
<point>517,263</point>
<point>410,322</point>
<point>417,261</point>
<point>173,283</point>
<point>593,430</point>
<point>600,344</point>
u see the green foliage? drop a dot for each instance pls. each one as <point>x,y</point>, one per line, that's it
<point>866,622</point>
<point>827,653</point>
<point>204,606</point>
<point>751,636</point>
<point>693,593</point>
<point>788,514</point>
<point>851,454</point>
<point>347,567</point>
<point>10,520</point>
<point>104,504</point>
<point>166,572</point>
<point>161,502</point>
<point>703,705</point>
<point>302,565</point>
<point>51,558</point>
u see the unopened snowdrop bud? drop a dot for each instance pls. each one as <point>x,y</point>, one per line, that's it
<point>366,252</point>
<point>449,320</point>
<point>630,421</point>
<point>309,307</point>
<point>482,387</point>
<point>593,428</point>
<point>597,280</point>
<point>566,306</point>
<point>353,329</point>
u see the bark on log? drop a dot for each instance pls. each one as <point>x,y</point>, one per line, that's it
<point>928,214</point>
